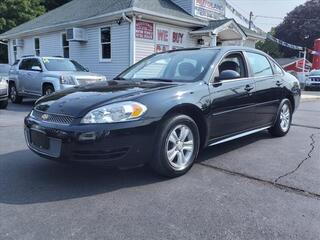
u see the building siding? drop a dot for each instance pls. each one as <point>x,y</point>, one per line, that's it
<point>186,5</point>
<point>51,45</point>
<point>88,53</point>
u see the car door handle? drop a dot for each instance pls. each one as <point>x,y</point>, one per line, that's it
<point>249,88</point>
<point>279,83</point>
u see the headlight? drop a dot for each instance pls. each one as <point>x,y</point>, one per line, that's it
<point>3,82</point>
<point>114,113</point>
<point>67,80</point>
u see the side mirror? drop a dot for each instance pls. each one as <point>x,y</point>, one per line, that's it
<point>36,69</point>
<point>227,75</point>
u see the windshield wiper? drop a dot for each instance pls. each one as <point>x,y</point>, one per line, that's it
<point>156,80</point>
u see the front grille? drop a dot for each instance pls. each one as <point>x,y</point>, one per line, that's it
<point>52,118</point>
<point>315,79</point>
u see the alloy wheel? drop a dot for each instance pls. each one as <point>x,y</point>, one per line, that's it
<point>180,147</point>
<point>13,94</point>
<point>285,118</point>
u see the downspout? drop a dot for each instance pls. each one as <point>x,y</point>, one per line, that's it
<point>132,38</point>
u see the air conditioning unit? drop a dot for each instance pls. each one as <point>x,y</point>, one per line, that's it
<point>77,35</point>
<point>18,42</point>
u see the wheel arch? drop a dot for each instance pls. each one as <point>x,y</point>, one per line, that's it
<point>197,115</point>
<point>45,84</point>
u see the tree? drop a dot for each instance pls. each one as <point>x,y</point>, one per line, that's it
<point>14,13</point>
<point>270,47</point>
<point>52,4</point>
<point>300,27</point>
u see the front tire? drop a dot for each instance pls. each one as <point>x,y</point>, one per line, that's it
<point>13,93</point>
<point>47,90</point>
<point>178,147</point>
<point>4,104</point>
<point>284,119</point>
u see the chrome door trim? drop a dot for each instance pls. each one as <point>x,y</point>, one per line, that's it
<point>240,136</point>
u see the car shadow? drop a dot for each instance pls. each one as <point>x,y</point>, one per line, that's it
<point>26,178</point>
<point>25,106</point>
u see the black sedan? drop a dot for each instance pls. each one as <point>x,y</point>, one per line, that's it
<point>164,109</point>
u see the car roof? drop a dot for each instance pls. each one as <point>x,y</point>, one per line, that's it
<point>33,56</point>
<point>223,49</point>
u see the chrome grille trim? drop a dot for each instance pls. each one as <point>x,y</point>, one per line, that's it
<point>52,118</point>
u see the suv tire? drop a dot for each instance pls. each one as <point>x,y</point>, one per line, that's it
<point>48,89</point>
<point>13,94</point>
<point>179,138</point>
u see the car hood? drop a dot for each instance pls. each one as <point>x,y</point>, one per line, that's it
<point>75,74</point>
<point>79,100</point>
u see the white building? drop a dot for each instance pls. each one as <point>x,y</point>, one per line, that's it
<point>108,35</point>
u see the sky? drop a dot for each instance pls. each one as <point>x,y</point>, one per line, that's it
<point>267,13</point>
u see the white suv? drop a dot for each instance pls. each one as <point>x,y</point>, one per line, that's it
<point>313,80</point>
<point>34,76</point>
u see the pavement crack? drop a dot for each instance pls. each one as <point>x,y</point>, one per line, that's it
<point>264,181</point>
<point>306,126</point>
<point>309,155</point>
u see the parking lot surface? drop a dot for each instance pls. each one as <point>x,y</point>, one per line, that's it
<point>257,187</point>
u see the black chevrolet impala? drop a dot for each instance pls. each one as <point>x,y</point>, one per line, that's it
<point>164,109</point>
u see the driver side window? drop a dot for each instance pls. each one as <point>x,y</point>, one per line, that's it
<point>233,63</point>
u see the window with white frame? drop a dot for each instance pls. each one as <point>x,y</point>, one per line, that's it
<point>65,46</point>
<point>105,42</point>
<point>37,46</point>
<point>15,50</point>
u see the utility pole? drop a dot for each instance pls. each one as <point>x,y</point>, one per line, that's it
<point>250,20</point>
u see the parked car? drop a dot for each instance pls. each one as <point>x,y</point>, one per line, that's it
<point>313,80</point>
<point>164,109</point>
<point>38,76</point>
<point>4,77</point>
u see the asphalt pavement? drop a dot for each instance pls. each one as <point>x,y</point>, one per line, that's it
<point>257,187</point>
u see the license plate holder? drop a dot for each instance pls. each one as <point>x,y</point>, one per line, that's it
<point>39,139</point>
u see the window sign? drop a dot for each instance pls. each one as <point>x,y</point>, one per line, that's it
<point>144,30</point>
<point>162,35</point>
<point>162,48</point>
<point>212,9</point>
<point>178,38</point>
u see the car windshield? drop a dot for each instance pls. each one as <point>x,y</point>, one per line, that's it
<point>62,65</point>
<point>175,66</point>
<point>4,69</point>
<point>315,73</point>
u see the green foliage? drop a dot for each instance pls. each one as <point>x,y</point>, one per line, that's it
<point>300,27</point>
<point>16,12</point>
<point>270,47</point>
<point>52,4</point>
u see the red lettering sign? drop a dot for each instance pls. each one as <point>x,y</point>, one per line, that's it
<point>163,35</point>
<point>144,30</point>
<point>177,37</point>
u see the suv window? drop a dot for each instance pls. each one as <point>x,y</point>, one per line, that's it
<point>234,62</point>
<point>260,65</point>
<point>27,64</point>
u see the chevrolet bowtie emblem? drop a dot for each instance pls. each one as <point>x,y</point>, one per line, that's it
<point>45,117</point>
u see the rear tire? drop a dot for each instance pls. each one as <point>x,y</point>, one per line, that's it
<point>284,119</point>
<point>13,94</point>
<point>178,146</point>
<point>47,90</point>
<point>4,104</point>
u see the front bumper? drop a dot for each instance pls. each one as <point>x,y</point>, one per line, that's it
<point>313,84</point>
<point>123,145</point>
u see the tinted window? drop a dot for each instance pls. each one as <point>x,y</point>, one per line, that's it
<point>260,65</point>
<point>181,66</point>
<point>234,62</point>
<point>314,73</point>
<point>24,65</point>
<point>62,65</point>
<point>27,64</point>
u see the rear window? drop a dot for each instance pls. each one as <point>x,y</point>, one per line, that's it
<point>314,73</point>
